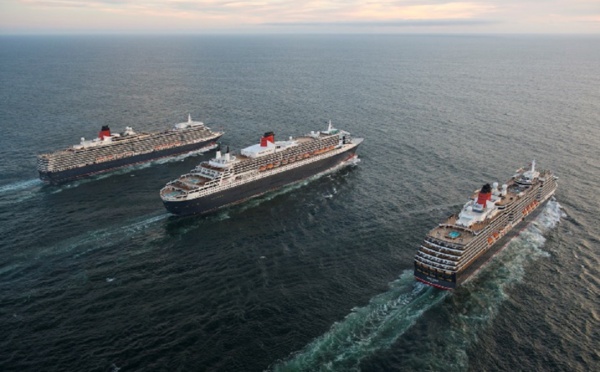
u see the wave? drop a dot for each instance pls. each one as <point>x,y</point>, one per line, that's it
<point>94,240</point>
<point>21,185</point>
<point>478,302</point>
<point>375,327</point>
<point>367,329</point>
<point>20,191</point>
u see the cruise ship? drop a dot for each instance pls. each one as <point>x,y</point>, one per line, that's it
<point>116,150</point>
<point>268,165</point>
<point>464,242</point>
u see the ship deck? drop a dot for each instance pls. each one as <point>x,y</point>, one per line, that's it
<point>449,233</point>
<point>447,230</point>
<point>300,140</point>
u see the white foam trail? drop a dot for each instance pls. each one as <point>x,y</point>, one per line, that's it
<point>367,329</point>
<point>21,185</point>
<point>478,301</point>
<point>100,238</point>
<point>19,191</point>
<point>378,325</point>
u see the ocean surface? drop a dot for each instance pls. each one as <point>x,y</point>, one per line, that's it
<point>95,275</point>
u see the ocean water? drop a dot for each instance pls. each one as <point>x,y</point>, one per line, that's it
<point>96,276</point>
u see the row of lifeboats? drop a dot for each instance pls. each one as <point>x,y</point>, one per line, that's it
<point>497,235</point>
<point>530,208</point>
<point>294,158</point>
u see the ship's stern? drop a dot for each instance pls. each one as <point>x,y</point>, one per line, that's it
<point>446,282</point>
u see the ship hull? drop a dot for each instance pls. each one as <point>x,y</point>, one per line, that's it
<point>56,178</point>
<point>460,277</point>
<point>235,195</point>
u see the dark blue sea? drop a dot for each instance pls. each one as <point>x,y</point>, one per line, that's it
<point>95,275</point>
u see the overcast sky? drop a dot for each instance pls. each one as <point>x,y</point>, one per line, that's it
<point>297,16</point>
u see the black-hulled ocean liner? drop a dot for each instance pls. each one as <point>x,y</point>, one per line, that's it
<point>458,246</point>
<point>262,167</point>
<point>111,150</point>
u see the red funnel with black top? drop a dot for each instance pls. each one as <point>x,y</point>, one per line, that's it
<point>485,194</point>
<point>269,136</point>
<point>104,132</point>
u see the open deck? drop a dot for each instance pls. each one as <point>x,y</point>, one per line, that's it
<point>452,234</point>
<point>449,232</point>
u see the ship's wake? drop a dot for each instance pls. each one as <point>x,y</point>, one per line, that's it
<point>141,230</point>
<point>377,326</point>
<point>19,191</point>
<point>367,329</point>
<point>91,241</point>
<point>21,185</point>
<point>477,302</point>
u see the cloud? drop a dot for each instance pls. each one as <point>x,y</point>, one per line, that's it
<point>261,15</point>
<point>392,23</point>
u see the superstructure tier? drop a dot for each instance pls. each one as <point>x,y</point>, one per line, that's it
<point>268,165</point>
<point>113,150</point>
<point>461,244</point>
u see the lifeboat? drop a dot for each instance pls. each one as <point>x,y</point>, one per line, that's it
<point>270,166</point>
<point>496,235</point>
<point>277,164</point>
<point>490,240</point>
<point>262,169</point>
<point>320,151</point>
<point>306,155</point>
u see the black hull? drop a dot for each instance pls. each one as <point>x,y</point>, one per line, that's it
<point>458,278</point>
<point>56,178</point>
<point>212,202</point>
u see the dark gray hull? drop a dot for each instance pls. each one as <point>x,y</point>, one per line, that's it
<point>56,178</point>
<point>212,202</point>
<point>458,278</point>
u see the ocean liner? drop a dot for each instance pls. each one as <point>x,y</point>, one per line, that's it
<point>113,150</point>
<point>268,165</point>
<point>458,246</point>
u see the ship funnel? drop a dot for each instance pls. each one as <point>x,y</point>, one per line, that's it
<point>104,132</point>
<point>268,137</point>
<point>485,194</point>
<point>189,118</point>
<point>218,155</point>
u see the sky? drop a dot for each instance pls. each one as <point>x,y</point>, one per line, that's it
<point>297,16</point>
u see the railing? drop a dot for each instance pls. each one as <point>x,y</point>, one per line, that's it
<point>259,175</point>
